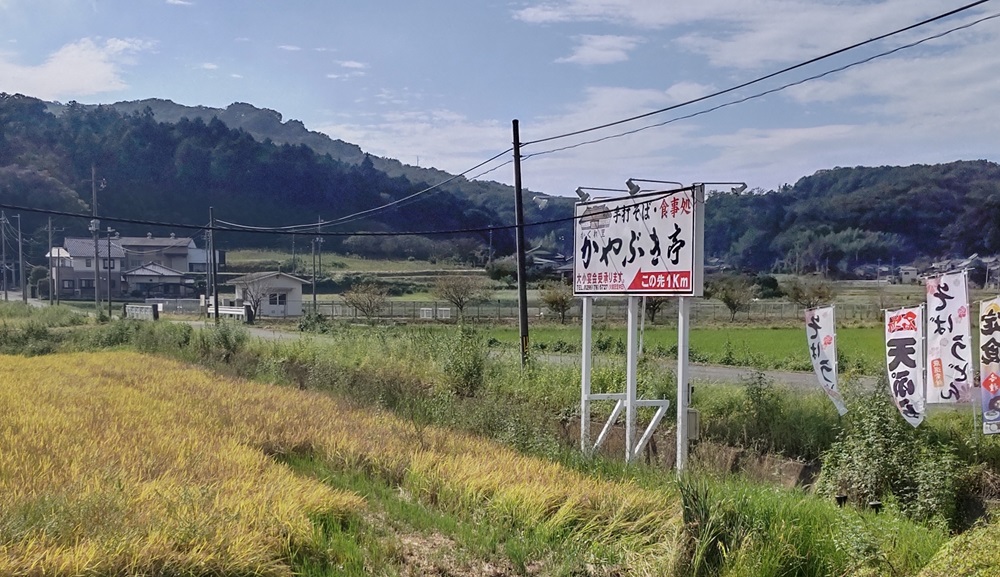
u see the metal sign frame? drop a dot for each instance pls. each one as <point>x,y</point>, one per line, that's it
<point>695,266</point>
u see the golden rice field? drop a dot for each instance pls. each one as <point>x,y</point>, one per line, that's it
<point>119,463</point>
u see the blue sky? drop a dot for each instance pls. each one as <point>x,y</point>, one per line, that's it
<point>437,82</point>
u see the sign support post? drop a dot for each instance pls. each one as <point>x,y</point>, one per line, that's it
<point>588,315</point>
<point>683,389</point>
<point>631,378</point>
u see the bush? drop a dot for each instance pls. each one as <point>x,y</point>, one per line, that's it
<point>879,457</point>
<point>465,363</point>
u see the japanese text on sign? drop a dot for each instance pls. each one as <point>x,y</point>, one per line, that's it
<point>821,337</point>
<point>989,363</point>
<point>949,339</point>
<point>904,362</point>
<point>645,244</point>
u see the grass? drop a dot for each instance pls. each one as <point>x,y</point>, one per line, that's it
<point>117,463</point>
<point>190,484</point>
<point>860,349</point>
<point>335,262</point>
<point>409,485</point>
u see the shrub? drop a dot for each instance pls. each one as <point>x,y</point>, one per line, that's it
<point>879,457</point>
<point>465,363</point>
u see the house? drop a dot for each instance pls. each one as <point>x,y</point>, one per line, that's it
<point>160,266</point>
<point>909,275</point>
<point>154,280</point>
<point>177,253</point>
<point>272,294</point>
<point>74,265</point>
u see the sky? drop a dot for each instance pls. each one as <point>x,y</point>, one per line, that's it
<point>437,83</point>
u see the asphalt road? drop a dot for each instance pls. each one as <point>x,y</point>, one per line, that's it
<point>699,372</point>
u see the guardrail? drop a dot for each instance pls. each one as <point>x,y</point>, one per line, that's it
<point>141,312</point>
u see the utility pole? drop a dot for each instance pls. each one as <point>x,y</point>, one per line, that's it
<point>51,270</point>
<point>522,281</point>
<point>319,240</point>
<point>3,233</point>
<point>313,245</point>
<point>20,262</point>
<point>111,266</point>
<point>215,264</point>
<point>95,227</point>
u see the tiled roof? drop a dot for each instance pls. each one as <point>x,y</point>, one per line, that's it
<point>259,276</point>
<point>152,269</point>
<point>84,248</point>
<point>154,242</point>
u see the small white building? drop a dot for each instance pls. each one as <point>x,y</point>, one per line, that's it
<point>909,275</point>
<point>154,280</point>
<point>276,294</point>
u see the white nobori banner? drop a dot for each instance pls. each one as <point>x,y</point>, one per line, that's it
<point>821,336</point>
<point>989,364</point>
<point>949,340</point>
<point>904,356</point>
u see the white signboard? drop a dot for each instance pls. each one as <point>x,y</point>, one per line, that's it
<point>904,354</point>
<point>949,340</point>
<point>644,244</point>
<point>821,336</point>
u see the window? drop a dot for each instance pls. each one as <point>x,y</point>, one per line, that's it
<point>108,262</point>
<point>89,263</point>
<point>87,283</point>
<point>276,299</point>
<point>68,284</point>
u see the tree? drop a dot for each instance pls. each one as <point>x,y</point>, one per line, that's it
<point>735,291</point>
<point>558,297</point>
<point>653,306</point>
<point>368,299</point>
<point>809,292</point>
<point>462,290</point>
<point>255,287</point>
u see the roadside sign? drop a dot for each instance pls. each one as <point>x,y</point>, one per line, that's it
<point>648,244</point>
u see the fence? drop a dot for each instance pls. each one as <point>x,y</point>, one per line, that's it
<point>605,309</point>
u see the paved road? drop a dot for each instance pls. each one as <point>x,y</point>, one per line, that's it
<point>699,372</point>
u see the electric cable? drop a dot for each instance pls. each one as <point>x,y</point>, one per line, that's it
<point>322,234</point>
<point>305,228</point>
<point>769,91</point>
<point>760,78</point>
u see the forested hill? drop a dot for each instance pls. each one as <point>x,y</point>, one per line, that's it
<point>265,124</point>
<point>159,161</point>
<point>846,216</point>
<point>173,172</point>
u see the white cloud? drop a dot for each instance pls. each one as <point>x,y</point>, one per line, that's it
<point>440,138</point>
<point>208,66</point>
<point>601,49</point>
<point>82,68</point>
<point>236,76</point>
<point>739,33</point>
<point>289,48</point>
<point>353,64</point>
<point>180,2</point>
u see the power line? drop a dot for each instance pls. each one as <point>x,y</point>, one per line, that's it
<point>277,231</point>
<point>769,91</point>
<point>761,78</point>
<point>306,228</point>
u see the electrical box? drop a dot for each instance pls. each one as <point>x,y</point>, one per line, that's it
<point>693,424</point>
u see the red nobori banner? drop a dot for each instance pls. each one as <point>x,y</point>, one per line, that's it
<point>645,244</point>
<point>904,359</point>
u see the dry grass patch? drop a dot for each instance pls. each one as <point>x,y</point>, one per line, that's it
<point>115,463</point>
